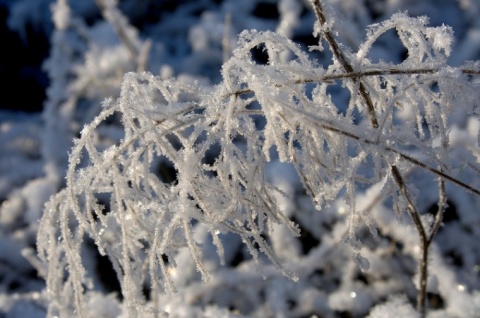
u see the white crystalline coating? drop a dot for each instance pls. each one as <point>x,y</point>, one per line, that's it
<point>441,37</point>
<point>419,40</point>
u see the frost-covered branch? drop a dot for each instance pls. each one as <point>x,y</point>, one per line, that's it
<point>220,142</point>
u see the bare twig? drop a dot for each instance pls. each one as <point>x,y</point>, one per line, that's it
<point>375,72</point>
<point>442,204</point>
<point>415,215</point>
<point>337,52</point>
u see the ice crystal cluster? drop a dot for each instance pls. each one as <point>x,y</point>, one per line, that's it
<point>308,181</point>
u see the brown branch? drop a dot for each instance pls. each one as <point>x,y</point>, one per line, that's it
<point>415,215</point>
<point>406,157</point>
<point>396,71</point>
<point>337,52</point>
<point>377,72</point>
<point>442,204</point>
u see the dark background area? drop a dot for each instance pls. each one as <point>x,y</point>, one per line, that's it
<point>21,77</point>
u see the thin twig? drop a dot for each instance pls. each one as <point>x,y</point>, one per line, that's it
<point>337,52</point>
<point>415,215</point>
<point>442,204</point>
<point>404,156</point>
<point>376,72</point>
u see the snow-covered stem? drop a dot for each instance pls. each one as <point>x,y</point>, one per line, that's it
<point>226,45</point>
<point>125,31</point>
